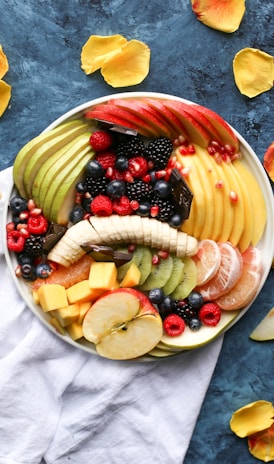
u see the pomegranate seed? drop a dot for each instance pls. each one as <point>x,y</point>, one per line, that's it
<point>218,158</point>
<point>146,178</point>
<point>219,184</point>
<point>154,211</point>
<point>24,215</point>
<point>109,172</point>
<point>172,162</point>
<point>183,150</point>
<point>31,204</point>
<point>191,149</point>
<point>163,254</point>
<point>216,144</point>
<point>128,177</point>
<point>131,247</point>
<point>24,231</point>
<point>176,142</point>
<point>10,226</point>
<point>160,174</point>
<point>185,171</point>
<point>78,198</point>
<point>181,139</point>
<point>229,149</point>
<point>235,156</point>
<point>155,259</point>
<point>134,204</point>
<point>36,212</point>
<point>211,150</point>
<point>150,165</point>
<point>86,216</point>
<point>87,195</point>
<point>18,272</point>
<point>233,196</point>
<point>168,173</point>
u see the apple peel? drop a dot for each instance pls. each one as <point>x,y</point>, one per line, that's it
<point>268,161</point>
<point>253,71</point>
<point>252,418</point>
<point>223,15</point>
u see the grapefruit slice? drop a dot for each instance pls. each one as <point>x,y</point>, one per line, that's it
<point>229,272</point>
<point>246,287</point>
<point>207,260</point>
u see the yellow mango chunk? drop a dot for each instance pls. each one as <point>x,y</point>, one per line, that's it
<point>52,296</point>
<point>252,418</point>
<point>68,314</point>
<point>5,95</point>
<point>83,309</point>
<point>98,49</point>
<point>102,276</point>
<point>132,277</point>
<point>129,66</point>
<point>81,292</point>
<point>261,445</point>
<point>75,330</point>
<point>253,71</point>
<point>223,15</point>
<point>4,64</point>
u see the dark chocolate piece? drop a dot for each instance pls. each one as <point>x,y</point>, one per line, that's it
<point>181,192</point>
<point>101,253</point>
<point>54,234</point>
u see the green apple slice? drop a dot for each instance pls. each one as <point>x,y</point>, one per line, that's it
<point>54,164</point>
<point>189,340</point>
<point>48,149</point>
<point>265,329</point>
<point>26,152</point>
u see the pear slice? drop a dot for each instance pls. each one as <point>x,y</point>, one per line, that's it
<point>265,329</point>
<point>26,152</point>
<point>48,149</point>
<point>54,164</point>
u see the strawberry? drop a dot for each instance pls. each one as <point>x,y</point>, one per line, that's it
<point>100,140</point>
<point>173,325</point>
<point>210,314</point>
<point>101,206</point>
<point>122,206</point>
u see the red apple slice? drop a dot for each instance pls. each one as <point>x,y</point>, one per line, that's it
<point>202,120</point>
<point>196,132</point>
<point>226,133</point>
<point>123,324</point>
<point>168,117</point>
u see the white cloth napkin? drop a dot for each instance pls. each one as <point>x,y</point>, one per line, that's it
<point>67,406</point>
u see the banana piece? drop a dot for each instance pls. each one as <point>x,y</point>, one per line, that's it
<point>136,224</point>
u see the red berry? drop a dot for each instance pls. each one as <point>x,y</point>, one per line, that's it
<point>15,241</point>
<point>101,206</point>
<point>174,325</point>
<point>114,174</point>
<point>106,159</point>
<point>210,314</point>
<point>122,206</point>
<point>100,140</point>
<point>137,166</point>
<point>37,224</point>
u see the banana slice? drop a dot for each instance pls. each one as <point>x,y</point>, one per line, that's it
<point>146,230</point>
<point>164,240</point>
<point>136,223</point>
<point>102,227</point>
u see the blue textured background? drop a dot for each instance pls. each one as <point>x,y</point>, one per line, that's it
<point>43,41</point>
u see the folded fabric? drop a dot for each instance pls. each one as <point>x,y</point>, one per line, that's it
<point>67,406</point>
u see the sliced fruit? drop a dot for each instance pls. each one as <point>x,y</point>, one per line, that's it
<point>268,161</point>
<point>159,353</point>
<point>159,275</point>
<point>123,324</point>
<point>207,260</point>
<point>201,119</point>
<point>188,282</point>
<point>225,16</point>
<point>247,286</point>
<point>229,272</point>
<point>265,329</point>
<point>145,265</point>
<point>136,258</point>
<point>109,118</point>
<point>168,117</point>
<point>176,277</point>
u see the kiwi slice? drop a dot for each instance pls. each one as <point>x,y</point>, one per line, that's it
<point>145,265</point>
<point>188,282</point>
<point>136,258</point>
<point>160,274</point>
<point>176,277</point>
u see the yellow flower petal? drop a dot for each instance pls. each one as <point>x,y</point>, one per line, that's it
<point>4,65</point>
<point>252,418</point>
<point>261,445</point>
<point>223,15</point>
<point>253,71</point>
<point>5,94</point>
<point>99,48</point>
<point>128,67</point>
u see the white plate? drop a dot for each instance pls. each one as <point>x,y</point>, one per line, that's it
<point>249,158</point>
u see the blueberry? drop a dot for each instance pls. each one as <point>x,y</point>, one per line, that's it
<point>121,163</point>
<point>24,258</point>
<point>18,205</point>
<point>116,188</point>
<point>143,210</point>
<point>28,272</point>
<point>176,220</point>
<point>195,300</point>
<point>43,270</point>
<point>167,306</point>
<point>156,295</point>
<point>86,202</point>
<point>162,189</point>
<point>94,169</point>
<point>76,214</point>
<point>194,323</point>
<point>80,187</point>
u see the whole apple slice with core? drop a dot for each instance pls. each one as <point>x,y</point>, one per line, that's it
<point>123,324</point>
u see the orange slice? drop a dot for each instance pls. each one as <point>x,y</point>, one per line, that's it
<point>207,260</point>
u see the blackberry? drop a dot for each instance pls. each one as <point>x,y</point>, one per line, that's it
<point>185,311</point>
<point>159,151</point>
<point>96,186</point>
<point>166,209</point>
<point>130,147</point>
<point>34,245</point>
<point>139,190</point>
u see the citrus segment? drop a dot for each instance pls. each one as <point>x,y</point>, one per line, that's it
<point>207,260</point>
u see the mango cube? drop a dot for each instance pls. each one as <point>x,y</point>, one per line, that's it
<point>83,309</point>
<point>132,277</point>
<point>52,296</point>
<point>81,292</point>
<point>102,275</point>
<point>68,314</point>
<point>75,330</point>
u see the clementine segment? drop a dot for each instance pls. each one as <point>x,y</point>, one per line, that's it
<point>207,260</point>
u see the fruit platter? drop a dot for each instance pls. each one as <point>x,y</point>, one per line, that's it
<point>139,226</point>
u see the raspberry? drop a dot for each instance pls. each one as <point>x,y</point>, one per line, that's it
<point>101,206</point>
<point>210,314</point>
<point>15,241</point>
<point>137,166</point>
<point>107,159</point>
<point>122,206</point>
<point>114,174</point>
<point>100,140</point>
<point>37,224</point>
<point>174,325</point>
